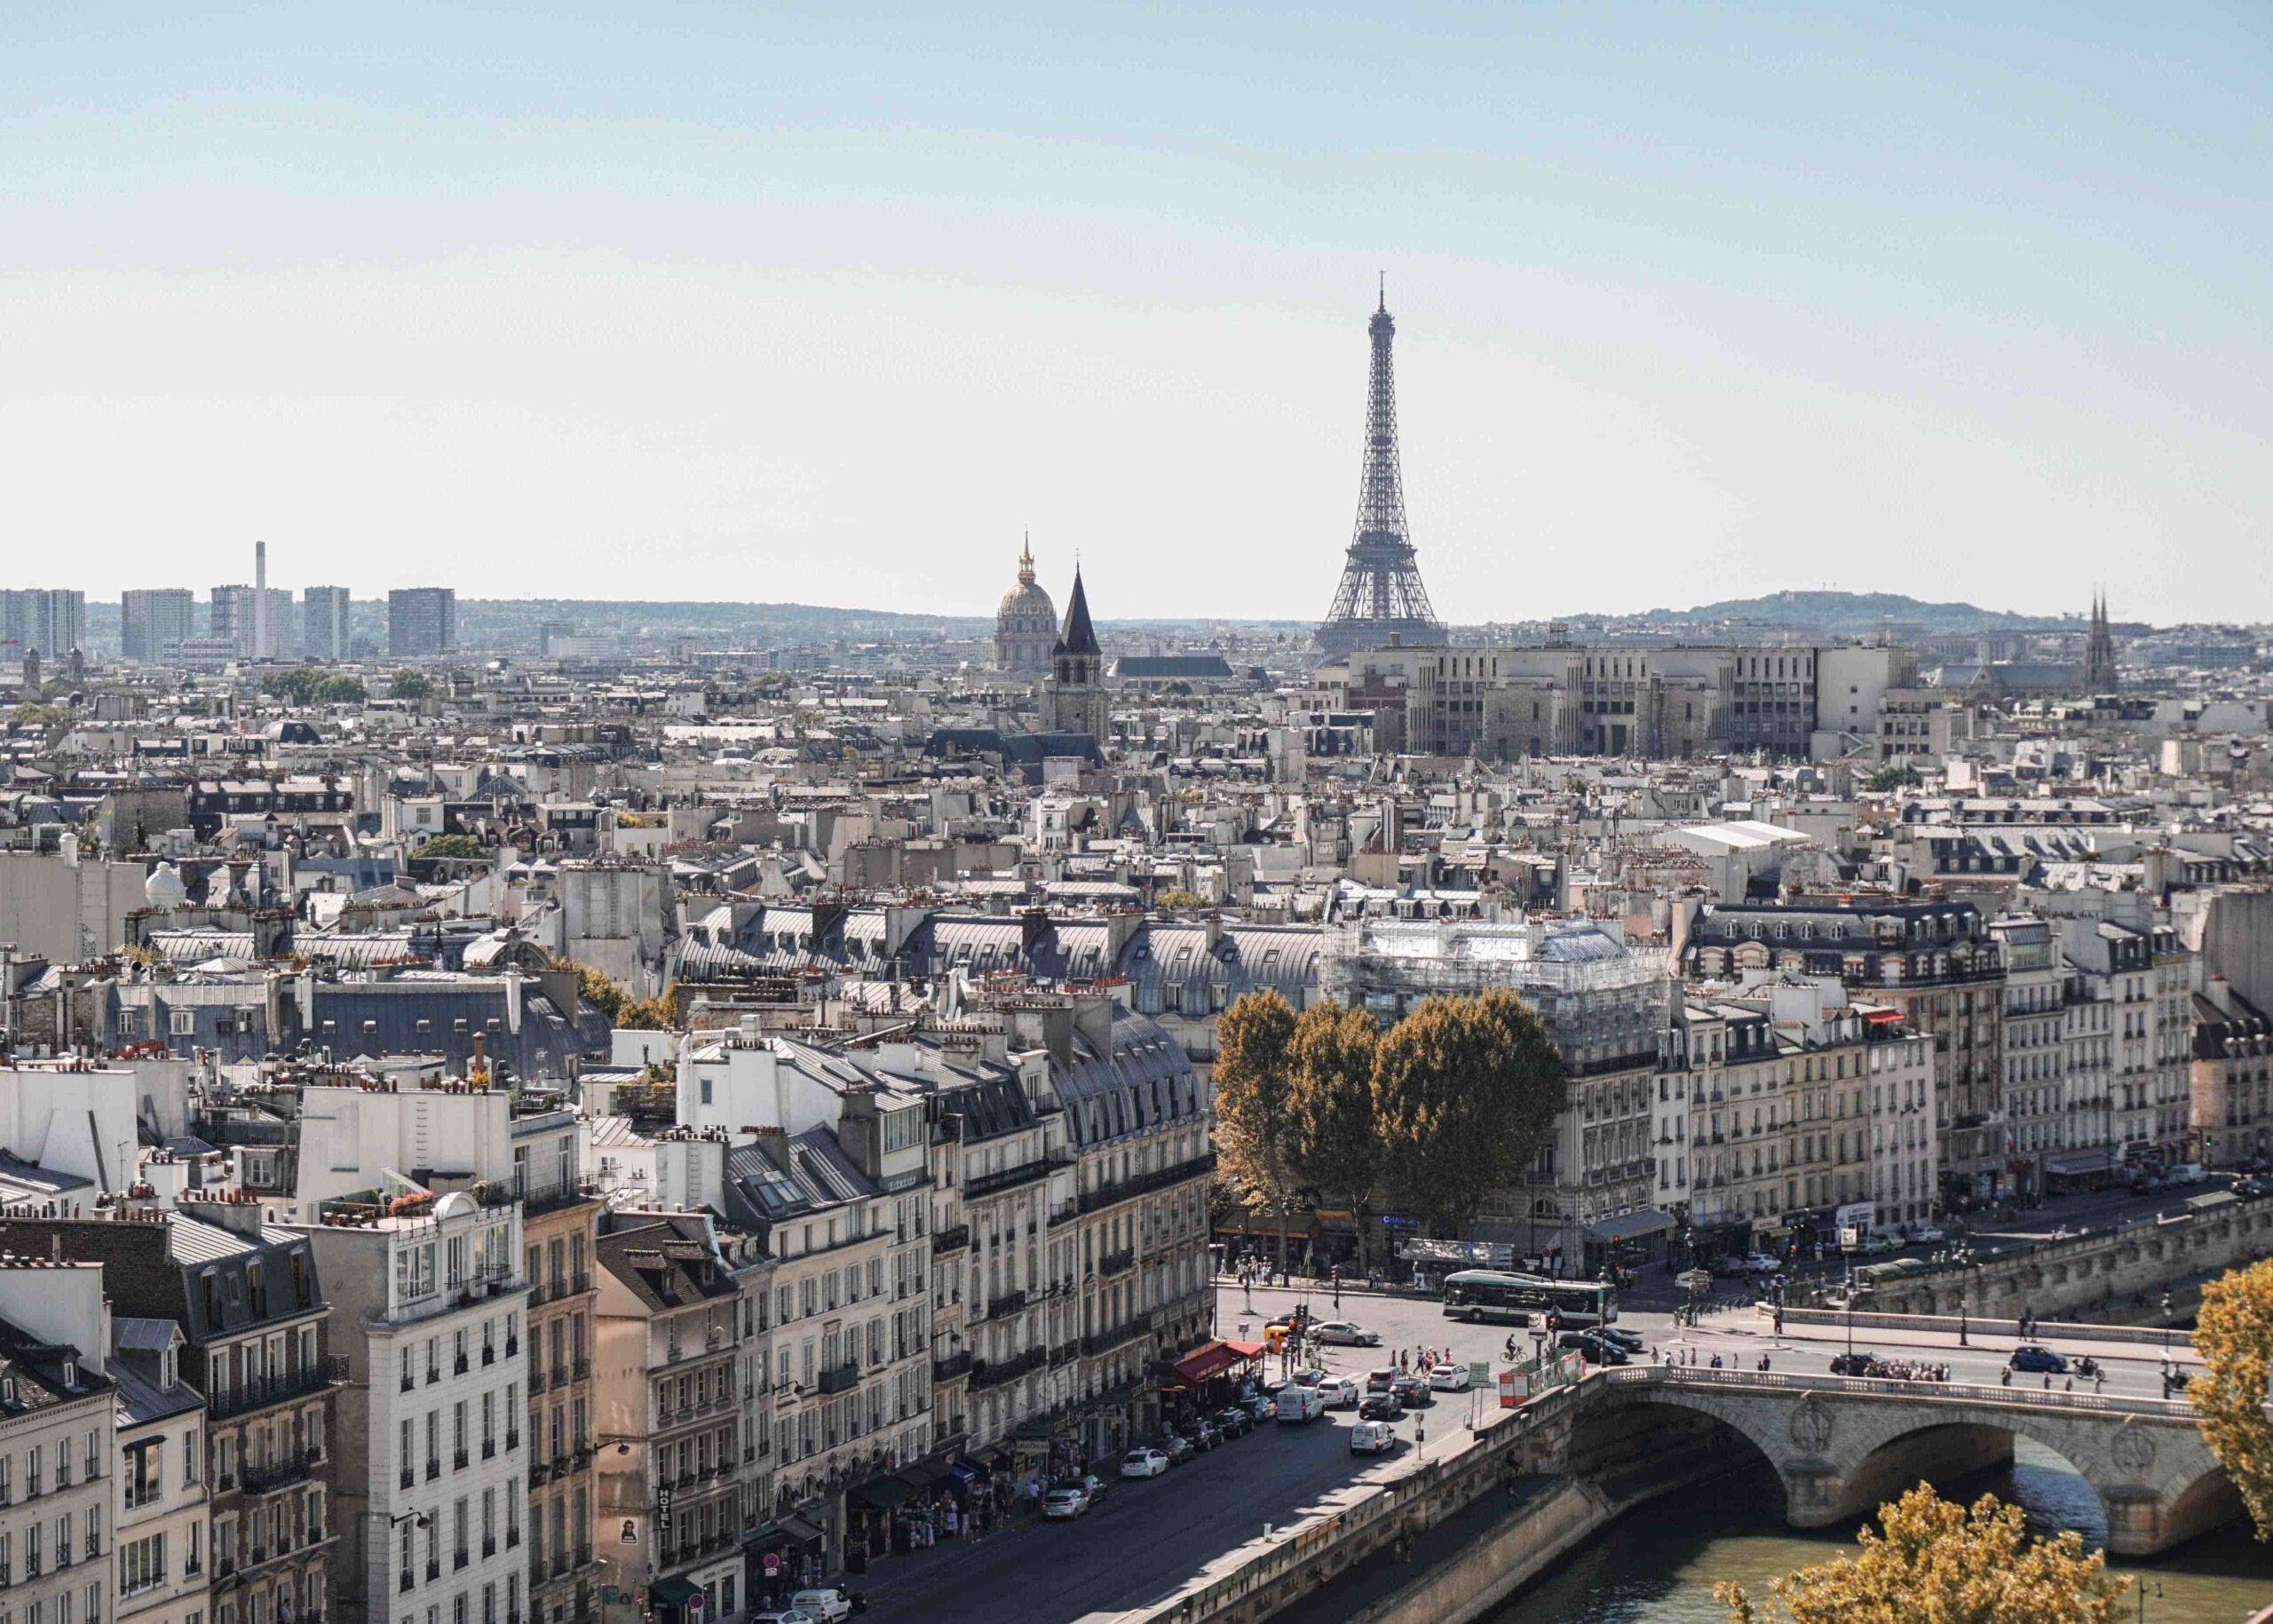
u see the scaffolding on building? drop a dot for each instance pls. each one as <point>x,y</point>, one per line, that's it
<point>1602,999</point>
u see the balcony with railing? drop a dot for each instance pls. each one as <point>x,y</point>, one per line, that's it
<point>1116,1262</point>
<point>949,1369</point>
<point>840,1378</point>
<point>953,1238</point>
<point>274,1475</point>
<point>1100,1341</point>
<point>1145,1183</point>
<point>986,1375</point>
<point>262,1391</point>
<point>980,1186</point>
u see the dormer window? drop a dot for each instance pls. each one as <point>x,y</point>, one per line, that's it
<point>70,1374</point>
<point>7,1389</point>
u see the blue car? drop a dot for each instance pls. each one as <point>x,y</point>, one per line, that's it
<point>2031,1358</point>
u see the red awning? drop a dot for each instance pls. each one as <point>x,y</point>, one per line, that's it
<point>1214,1359</point>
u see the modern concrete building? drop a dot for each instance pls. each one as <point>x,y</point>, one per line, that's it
<point>49,622</point>
<point>421,621</point>
<point>155,620</point>
<point>324,622</point>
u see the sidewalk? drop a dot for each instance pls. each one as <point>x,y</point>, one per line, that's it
<point>2144,1353</point>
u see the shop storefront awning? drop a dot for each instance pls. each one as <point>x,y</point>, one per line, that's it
<point>1631,1226</point>
<point>2083,1161</point>
<point>1214,1359</point>
<point>670,1592</point>
<point>882,1493</point>
<point>925,1474</point>
<point>802,1531</point>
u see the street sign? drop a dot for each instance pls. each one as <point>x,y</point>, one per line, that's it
<point>1479,1372</point>
<point>772,1564</point>
<point>694,1604</point>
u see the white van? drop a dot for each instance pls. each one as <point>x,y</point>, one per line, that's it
<point>2186,1173</point>
<point>1299,1403</point>
<point>1372,1437</point>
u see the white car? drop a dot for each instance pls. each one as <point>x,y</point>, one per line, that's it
<point>1342,1334</point>
<point>1448,1378</point>
<point>826,1603</point>
<point>787,1615</point>
<point>1144,1463</point>
<point>1927,1235</point>
<point>1759,1263</point>
<point>1340,1392</point>
<point>1064,1505</point>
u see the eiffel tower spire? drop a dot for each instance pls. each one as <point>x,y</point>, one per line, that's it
<point>1381,598</point>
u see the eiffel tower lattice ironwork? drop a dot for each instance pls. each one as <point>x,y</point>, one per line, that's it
<point>1381,598</point>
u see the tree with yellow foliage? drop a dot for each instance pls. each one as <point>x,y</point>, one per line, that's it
<point>1932,1561</point>
<point>2234,1335</point>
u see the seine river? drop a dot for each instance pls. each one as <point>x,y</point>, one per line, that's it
<point>1658,1565</point>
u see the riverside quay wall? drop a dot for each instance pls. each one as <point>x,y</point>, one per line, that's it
<point>2058,1277</point>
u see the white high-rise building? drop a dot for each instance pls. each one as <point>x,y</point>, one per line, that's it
<point>155,620</point>
<point>324,622</point>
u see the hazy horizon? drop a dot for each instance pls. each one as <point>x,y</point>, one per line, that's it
<point>832,306</point>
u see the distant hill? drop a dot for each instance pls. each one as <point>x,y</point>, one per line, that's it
<point>1861,612</point>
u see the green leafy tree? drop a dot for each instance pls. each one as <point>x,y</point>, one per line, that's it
<point>1935,1562</point>
<point>342,691</point>
<point>449,845</point>
<point>1466,1091</point>
<point>301,686</point>
<point>2233,1332</point>
<point>1336,1138</point>
<point>39,716</point>
<point>1254,1119</point>
<point>410,685</point>
<point>1887,779</point>
<point>1173,898</point>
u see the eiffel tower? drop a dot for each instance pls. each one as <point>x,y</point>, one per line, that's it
<point>1381,598</point>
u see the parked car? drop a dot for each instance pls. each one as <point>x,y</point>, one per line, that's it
<point>1380,1407</point>
<point>1341,1393</point>
<point>1927,1235</point>
<point>827,1602</point>
<point>1178,1448</point>
<point>1448,1378</point>
<point>1342,1334</point>
<point>1412,1390</point>
<point>2034,1357</point>
<point>1090,1484</point>
<point>1261,1405</point>
<point>1877,1246</point>
<point>1207,1435</point>
<point>1855,1364</point>
<point>1631,1341</point>
<point>1145,1463</point>
<point>1597,1349</point>
<point>2186,1173</point>
<point>1372,1437</point>
<point>1234,1422</point>
<point>1064,1505</point>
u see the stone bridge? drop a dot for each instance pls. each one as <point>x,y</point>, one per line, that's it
<point>1843,1445</point>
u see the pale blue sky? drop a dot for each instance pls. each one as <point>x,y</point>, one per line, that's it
<point>831,303</point>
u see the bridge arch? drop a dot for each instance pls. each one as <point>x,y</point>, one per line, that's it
<point>1843,1448</point>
